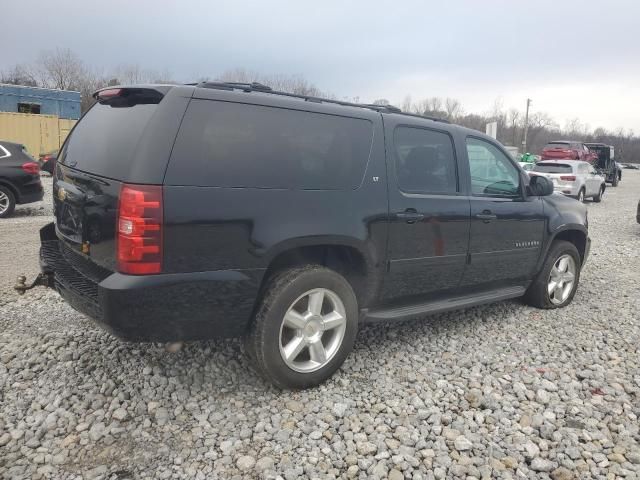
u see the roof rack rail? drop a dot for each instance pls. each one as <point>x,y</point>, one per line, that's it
<point>259,87</point>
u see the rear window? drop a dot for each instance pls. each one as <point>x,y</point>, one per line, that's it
<point>237,145</point>
<point>104,141</point>
<point>552,168</point>
<point>558,145</point>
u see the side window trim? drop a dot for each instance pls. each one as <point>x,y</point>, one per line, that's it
<point>511,161</point>
<point>458,191</point>
<point>4,153</point>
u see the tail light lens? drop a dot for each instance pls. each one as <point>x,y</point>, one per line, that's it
<point>31,167</point>
<point>139,240</point>
<point>568,178</point>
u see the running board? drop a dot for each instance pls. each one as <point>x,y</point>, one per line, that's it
<point>453,303</point>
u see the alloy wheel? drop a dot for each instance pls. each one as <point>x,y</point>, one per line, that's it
<point>561,279</point>
<point>4,202</point>
<point>312,330</point>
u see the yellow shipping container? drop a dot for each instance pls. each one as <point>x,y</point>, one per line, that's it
<point>39,133</point>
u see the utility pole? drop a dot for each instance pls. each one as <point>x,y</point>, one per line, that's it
<point>526,127</point>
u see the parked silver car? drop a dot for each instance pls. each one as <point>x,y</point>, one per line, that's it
<point>573,178</point>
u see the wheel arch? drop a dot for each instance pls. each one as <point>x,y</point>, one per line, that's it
<point>350,258</point>
<point>575,234</point>
<point>6,183</point>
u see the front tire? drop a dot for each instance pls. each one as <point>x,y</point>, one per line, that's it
<point>7,202</point>
<point>614,183</point>
<point>304,328</point>
<point>557,282</point>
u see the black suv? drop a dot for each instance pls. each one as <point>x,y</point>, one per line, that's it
<point>191,212</point>
<point>19,178</point>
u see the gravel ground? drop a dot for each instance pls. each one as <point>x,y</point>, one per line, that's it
<point>500,391</point>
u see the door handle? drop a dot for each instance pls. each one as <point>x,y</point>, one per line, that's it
<point>410,215</point>
<point>486,216</point>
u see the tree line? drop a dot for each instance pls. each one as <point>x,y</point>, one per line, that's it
<point>63,69</point>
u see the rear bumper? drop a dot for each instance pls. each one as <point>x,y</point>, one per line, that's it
<point>159,308</point>
<point>568,190</point>
<point>30,194</point>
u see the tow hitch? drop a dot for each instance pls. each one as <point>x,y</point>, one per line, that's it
<point>21,286</point>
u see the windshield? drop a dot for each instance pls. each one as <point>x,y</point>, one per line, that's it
<point>564,145</point>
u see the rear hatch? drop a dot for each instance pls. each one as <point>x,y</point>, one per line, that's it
<point>561,151</point>
<point>561,174</point>
<point>125,138</point>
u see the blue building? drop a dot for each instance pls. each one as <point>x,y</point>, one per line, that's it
<point>43,101</point>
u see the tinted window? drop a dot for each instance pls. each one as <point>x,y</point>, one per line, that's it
<point>104,141</point>
<point>552,168</point>
<point>238,145</point>
<point>425,162</point>
<point>558,145</point>
<point>491,171</point>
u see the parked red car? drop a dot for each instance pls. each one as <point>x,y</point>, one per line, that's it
<point>568,150</point>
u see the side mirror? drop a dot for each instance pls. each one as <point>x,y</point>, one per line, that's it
<point>540,186</point>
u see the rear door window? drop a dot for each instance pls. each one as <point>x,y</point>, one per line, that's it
<point>227,144</point>
<point>104,141</point>
<point>552,168</point>
<point>425,162</point>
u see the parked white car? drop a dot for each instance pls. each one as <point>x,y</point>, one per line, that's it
<point>573,178</point>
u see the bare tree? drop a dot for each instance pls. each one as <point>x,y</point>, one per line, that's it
<point>406,104</point>
<point>61,69</point>
<point>19,74</point>
<point>574,127</point>
<point>453,108</point>
<point>295,84</point>
<point>381,101</point>
<point>239,75</point>
<point>513,118</point>
<point>434,104</point>
<point>89,83</point>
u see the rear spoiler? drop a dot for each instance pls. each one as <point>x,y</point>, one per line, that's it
<point>130,96</point>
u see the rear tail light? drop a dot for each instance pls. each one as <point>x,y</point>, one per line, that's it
<point>139,240</point>
<point>31,167</point>
<point>568,178</point>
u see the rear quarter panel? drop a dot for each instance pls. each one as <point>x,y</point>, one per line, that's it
<point>218,228</point>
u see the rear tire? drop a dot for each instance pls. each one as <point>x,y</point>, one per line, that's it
<point>580,196</point>
<point>598,197</point>
<point>298,339</point>
<point>7,202</point>
<point>543,292</point>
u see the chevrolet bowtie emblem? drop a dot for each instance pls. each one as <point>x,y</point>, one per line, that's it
<point>62,194</point>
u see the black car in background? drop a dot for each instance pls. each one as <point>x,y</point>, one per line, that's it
<point>48,161</point>
<point>19,178</point>
<point>192,212</point>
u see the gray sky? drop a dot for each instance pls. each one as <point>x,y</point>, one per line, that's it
<point>573,58</point>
